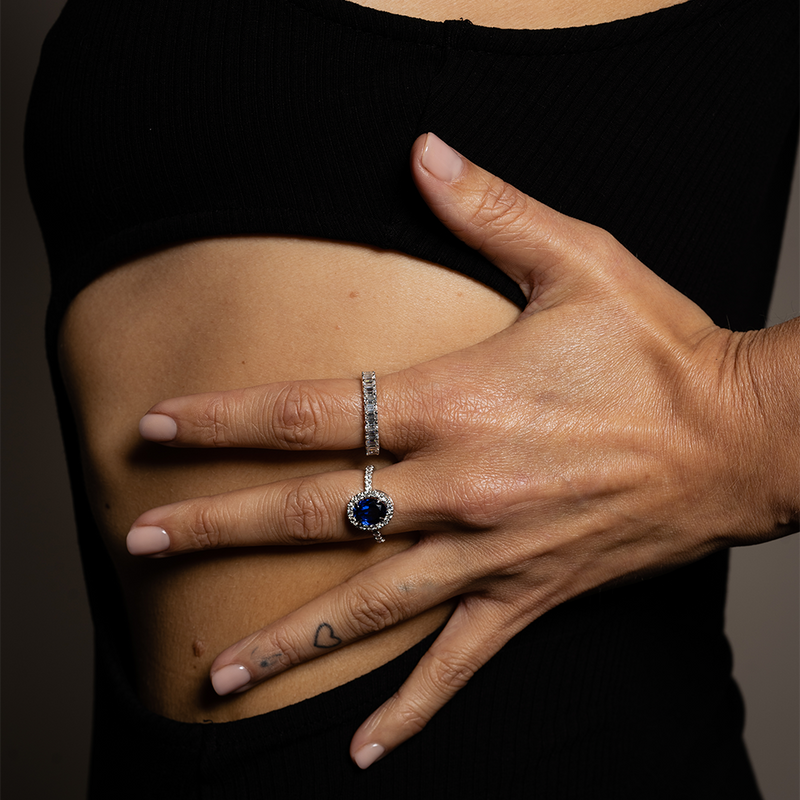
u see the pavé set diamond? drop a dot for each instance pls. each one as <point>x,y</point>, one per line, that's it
<point>369,390</point>
<point>370,510</point>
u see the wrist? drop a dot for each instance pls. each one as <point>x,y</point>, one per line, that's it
<point>761,373</point>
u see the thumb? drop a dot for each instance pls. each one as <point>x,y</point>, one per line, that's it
<point>543,251</point>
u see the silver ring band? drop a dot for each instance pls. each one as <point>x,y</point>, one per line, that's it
<point>370,510</point>
<point>369,389</point>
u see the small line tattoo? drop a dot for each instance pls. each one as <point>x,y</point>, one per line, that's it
<point>325,638</point>
<point>269,661</point>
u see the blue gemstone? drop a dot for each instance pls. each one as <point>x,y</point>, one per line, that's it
<point>369,511</point>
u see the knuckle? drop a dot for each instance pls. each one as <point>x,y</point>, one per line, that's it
<point>599,238</point>
<point>372,611</point>
<point>304,514</point>
<point>500,205</point>
<point>204,530</point>
<point>442,677</point>
<point>214,422</point>
<point>283,645</point>
<point>411,716</point>
<point>449,674</point>
<point>297,413</point>
<point>599,247</point>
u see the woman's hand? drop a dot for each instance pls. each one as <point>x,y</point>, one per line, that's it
<point>613,431</point>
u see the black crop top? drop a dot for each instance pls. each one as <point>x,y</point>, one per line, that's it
<point>154,122</point>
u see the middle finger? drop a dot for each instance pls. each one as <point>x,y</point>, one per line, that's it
<point>295,415</point>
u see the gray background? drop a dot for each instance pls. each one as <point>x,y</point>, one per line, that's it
<point>47,668</point>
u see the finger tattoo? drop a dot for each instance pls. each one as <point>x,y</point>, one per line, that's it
<point>266,662</point>
<point>325,638</point>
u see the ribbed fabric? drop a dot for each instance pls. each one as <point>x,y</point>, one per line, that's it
<point>622,695</point>
<point>154,122</point>
<point>157,122</point>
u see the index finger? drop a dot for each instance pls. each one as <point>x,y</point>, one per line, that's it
<point>292,415</point>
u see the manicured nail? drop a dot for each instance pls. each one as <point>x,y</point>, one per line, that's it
<point>158,428</point>
<point>147,540</point>
<point>230,678</point>
<point>440,159</point>
<point>368,755</point>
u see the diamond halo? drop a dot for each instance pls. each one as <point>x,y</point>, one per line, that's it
<point>370,510</point>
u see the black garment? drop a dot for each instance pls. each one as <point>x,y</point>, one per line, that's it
<point>159,121</point>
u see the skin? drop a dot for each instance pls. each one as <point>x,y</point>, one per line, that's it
<point>584,492</point>
<point>184,343</point>
<point>513,14</point>
<point>228,333</point>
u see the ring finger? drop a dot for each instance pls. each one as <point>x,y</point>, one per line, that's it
<point>306,510</point>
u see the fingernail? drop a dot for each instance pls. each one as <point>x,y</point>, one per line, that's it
<point>230,678</point>
<point>147,540</point>
<point>368,755</point>
<point>158,428</point>
<point>440,159</point>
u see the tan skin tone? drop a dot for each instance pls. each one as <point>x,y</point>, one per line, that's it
<point>176,323</point>
<point>184,613</point>
<point>531,480</point>
<point>514,14</point>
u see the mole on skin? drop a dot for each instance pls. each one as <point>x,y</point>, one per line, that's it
<point>198,648</point>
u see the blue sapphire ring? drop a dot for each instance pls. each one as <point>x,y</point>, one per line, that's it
<point>370,510</point>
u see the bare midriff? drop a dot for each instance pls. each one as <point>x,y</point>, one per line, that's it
<point>227,313</point>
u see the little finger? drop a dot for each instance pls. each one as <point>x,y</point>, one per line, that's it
<point>391,591</point>
<point>476,631</point>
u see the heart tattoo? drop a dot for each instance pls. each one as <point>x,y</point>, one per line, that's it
<point>325,637</point>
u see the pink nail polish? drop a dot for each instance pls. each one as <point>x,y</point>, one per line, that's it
<point>158,428</point>
<point>147,540</point>
<point>368,755</point>
<point>440,159</point>
<point>230,678</point>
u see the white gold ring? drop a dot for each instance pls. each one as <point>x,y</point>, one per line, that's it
<point>370,510</point>
<point>369,390</point>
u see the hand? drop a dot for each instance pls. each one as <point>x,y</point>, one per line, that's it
<point>602,436</point>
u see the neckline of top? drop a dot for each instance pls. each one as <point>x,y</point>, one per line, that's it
<point>463,35</point>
